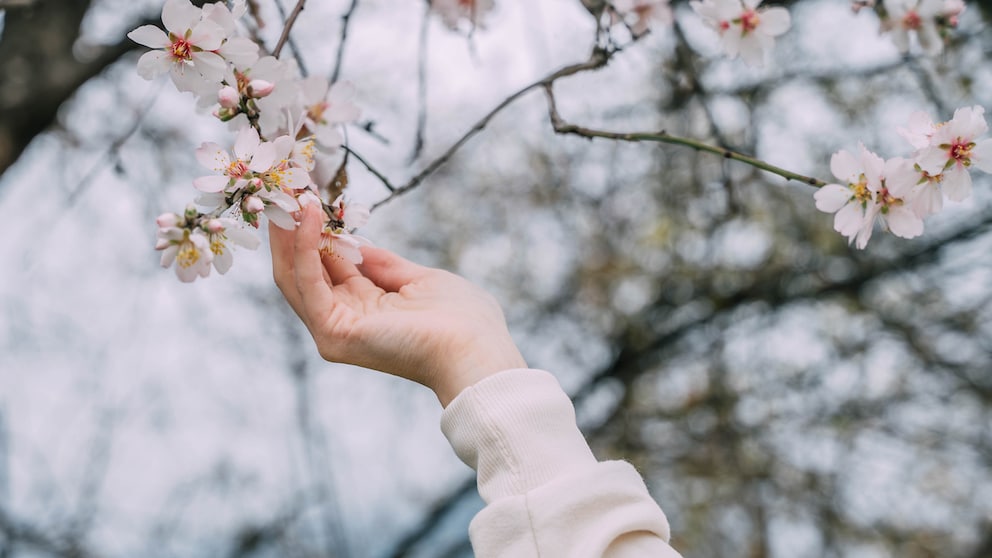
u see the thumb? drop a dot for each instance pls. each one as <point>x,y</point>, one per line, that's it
<point>388,270</point>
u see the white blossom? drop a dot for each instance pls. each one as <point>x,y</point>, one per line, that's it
<point>953,148</point>
<point>743,28</point>
<point>186,52</point>
<point>643,15</point>
<point>870,189</point>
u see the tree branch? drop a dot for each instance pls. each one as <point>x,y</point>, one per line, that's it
<point>597,59</point>
<point>339,57</point>
<point>562,127</point>
<point>290,21</point>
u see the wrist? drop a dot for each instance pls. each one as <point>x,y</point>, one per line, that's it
<point>475,367</point>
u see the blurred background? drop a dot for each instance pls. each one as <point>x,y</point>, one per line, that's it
<point>783,394</point>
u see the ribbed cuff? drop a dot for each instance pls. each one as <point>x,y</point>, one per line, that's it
<point>517,430</point>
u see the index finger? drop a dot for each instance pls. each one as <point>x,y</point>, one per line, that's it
<point>282,243</point>
<point>312,282</point>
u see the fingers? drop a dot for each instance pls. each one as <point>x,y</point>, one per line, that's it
<point>316,298</point>
<point>282,243</point>
<point>339,269</point>
<point>389,271</point>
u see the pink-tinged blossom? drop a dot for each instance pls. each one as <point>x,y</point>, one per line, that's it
<point>220,232</point>
<point>350,215</point>
<point>454,12</point>
<point>743,28</point>
<point>186,52</point>
<point>870,188</point>
<point>327,108</point>
<point>919,17</point>
<point>239,51</point>
<point>643,15</point>
<point>336,238</point>
<point>919,130</point>
<point>251,157</point>
<point>266,79</point>
<point>927,196</point>
<point>954,148</point>
<point>188,249</point>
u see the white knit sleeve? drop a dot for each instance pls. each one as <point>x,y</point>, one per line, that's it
<point>546,494</point>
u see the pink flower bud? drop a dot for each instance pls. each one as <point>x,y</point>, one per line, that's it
<point>260,88</point>
<point>167,220</point>
<point>228,97</point>
<point>257,183</point>
<point>215,226</point>
<point>252,204</point>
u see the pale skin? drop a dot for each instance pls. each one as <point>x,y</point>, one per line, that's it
<point>390,314</point>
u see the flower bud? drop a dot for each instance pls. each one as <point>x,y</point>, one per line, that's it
<point>257,183</point>
<point>167,220</point>
<point>228,97</point>
<point>191,212</point>
<point>162,243</point>
<point>214,226</point>
<point>260,88</point>
<point>252,204</point>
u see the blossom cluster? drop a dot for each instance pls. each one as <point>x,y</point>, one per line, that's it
<point>287,129</point>
<point>744,28</point>
<point>902,192</point>
<point>930,21</point>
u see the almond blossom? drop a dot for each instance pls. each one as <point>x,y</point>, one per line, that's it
<point>326,108</point>
<point>219,232</point>
<point>644,14</point>
<point>336,238</point>
<point>255,163</point>
<point>743,28</point>
<point>186,52</point>
<point>187,247</point>
<point>914,16</point>
<point>871,188</point>
<point>952,148</point>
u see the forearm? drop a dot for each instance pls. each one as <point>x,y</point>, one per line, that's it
<point>546,493</point>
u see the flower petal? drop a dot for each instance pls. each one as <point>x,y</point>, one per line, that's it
<point>240,51</point>
<point>207,35</point>
<point>179,16</point>
<point>263,158</point>
<point>832,197</point>
<point>775,21</point>
<point>213,156</point>
<point>903,222</point>
<point>212,183</point>
<point>246,143</point>
<point>209,65</point>
<point>150,36</point>
<point>280,218</point>
<point>295,178</point>
<point>153,64</point>
<point>957,183</point>
<point>845,166</point>
<point>932,160</point>
<point>981,155</point>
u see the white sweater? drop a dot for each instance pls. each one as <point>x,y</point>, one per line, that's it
<point>546,494</point>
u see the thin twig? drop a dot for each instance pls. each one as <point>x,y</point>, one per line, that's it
<point>562,127</point>
<point>290,21</point>
<point>598,59</point>
<point>418,142</point>
<point>339,58</point>
<point>382,178</point>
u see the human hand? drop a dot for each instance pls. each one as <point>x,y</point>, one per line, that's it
<point>390,314</point>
